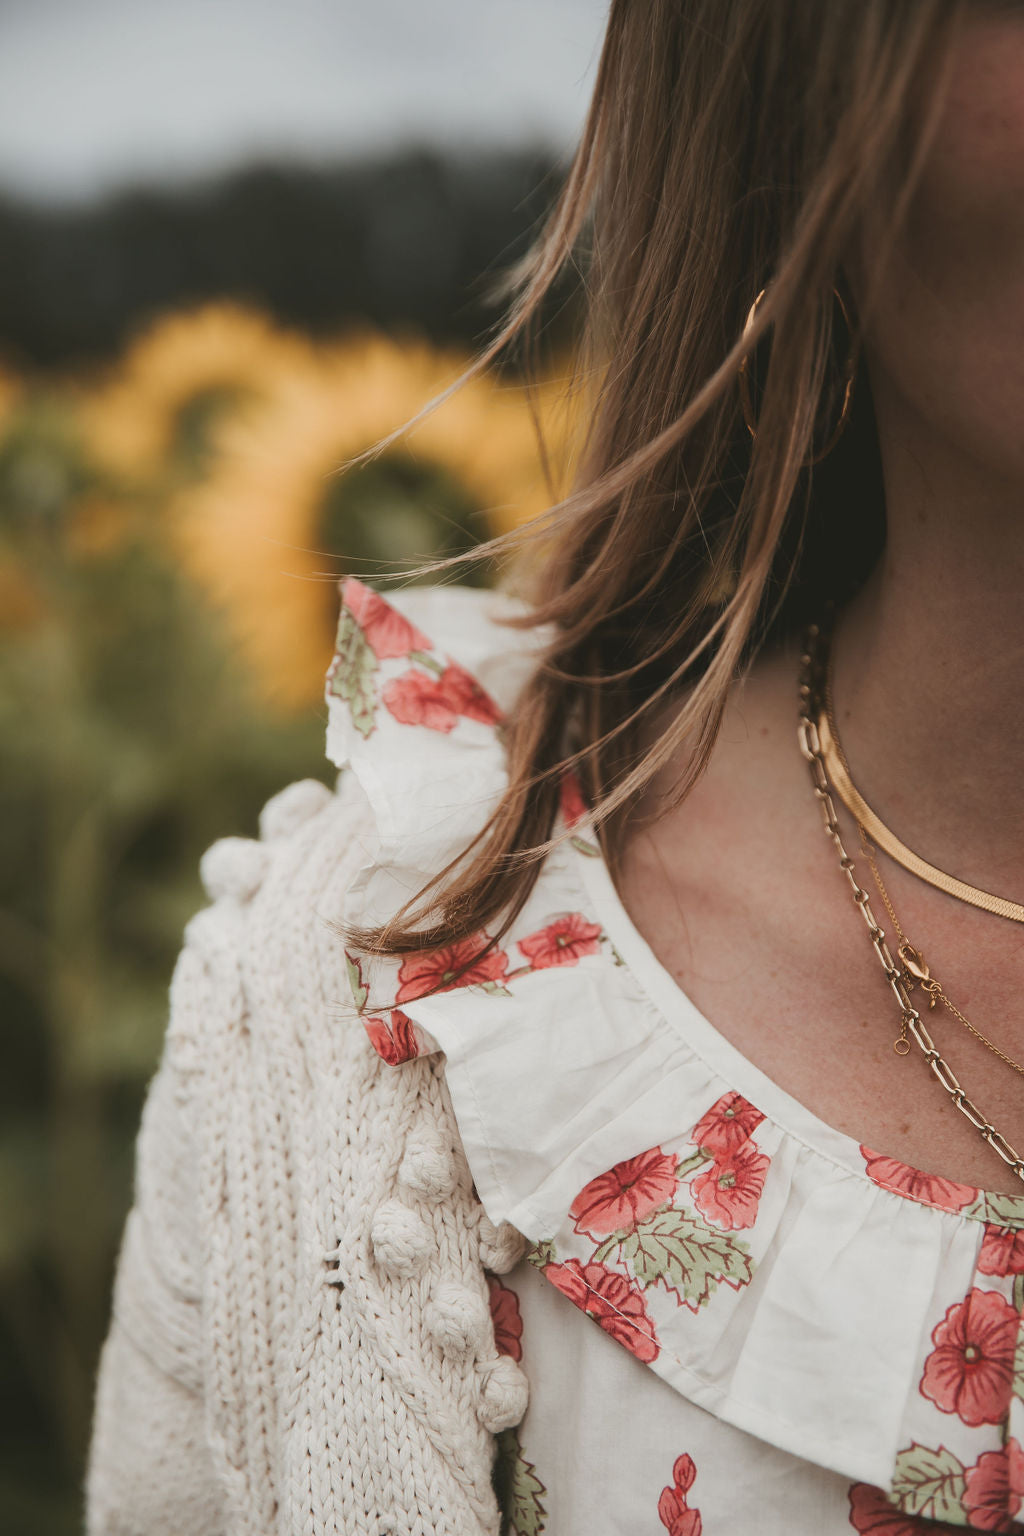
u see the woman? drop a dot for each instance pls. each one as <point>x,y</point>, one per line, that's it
<point>622,1187</point>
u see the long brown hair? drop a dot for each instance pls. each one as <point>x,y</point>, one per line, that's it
<point>731,146</point>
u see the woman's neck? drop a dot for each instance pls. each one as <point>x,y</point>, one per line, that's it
<point>929,664</point>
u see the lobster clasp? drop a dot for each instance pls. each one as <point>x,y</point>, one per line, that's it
<point>916,966</point>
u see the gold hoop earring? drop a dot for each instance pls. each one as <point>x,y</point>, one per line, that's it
<point>847,379</point>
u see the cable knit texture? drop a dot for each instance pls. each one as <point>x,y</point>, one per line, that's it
<point>301,1340</point>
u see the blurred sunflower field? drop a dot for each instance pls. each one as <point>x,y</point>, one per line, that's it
<point>172,528</point>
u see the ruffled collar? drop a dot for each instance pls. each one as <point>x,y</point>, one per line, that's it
<point>821,1296</point>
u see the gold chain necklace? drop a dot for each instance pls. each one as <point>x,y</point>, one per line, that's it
<point>811,712</point>
<point>839,773</point>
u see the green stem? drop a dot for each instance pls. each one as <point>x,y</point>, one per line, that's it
<point>521,970</point>
<point>25,954</point>
<point>426,660</point>
<point>78,1218</point>
<point>695,1161</point>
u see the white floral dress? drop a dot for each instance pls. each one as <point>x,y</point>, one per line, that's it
<point>732,1316</point>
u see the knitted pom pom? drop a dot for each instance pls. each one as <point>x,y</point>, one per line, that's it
<point>427,1169</point>
<point>504,1394</point>
<point>233,867</point>
<point>402,1241</point>
<point>291,806</point>
<point>457,1319</point>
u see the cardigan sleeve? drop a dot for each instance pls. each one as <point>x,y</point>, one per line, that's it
<point>151,1472</point>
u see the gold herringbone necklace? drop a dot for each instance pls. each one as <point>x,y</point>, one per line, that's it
<point>839,773</point>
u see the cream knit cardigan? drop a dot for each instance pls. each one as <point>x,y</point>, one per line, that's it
<point>301,1340</point>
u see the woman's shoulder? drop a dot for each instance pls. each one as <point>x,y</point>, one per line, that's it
<point>415,691</point>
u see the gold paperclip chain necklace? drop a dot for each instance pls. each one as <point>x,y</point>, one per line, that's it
<point>812,673</point>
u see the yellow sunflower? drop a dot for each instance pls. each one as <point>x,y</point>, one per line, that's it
<point>175,377</point>
<point>275,522</point>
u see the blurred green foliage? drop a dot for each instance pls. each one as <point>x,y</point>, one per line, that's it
<point>132,737</point>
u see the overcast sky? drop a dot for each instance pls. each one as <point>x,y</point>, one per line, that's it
<point>94,93</point>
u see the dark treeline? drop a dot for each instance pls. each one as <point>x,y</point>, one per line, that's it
<point>410,241</point>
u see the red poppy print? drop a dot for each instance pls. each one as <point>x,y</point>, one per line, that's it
<point>420,698</point>
<point>387,633</point>
<point>417,698</point>
<point>508,1324</point>
<point>727,1125</point>
<point>970,1370</point>
<point>673,1510</point>
<point>462,964</point>
<point>625,1194</point>
<point>467,696</point>
<point>574,807</point>
<point>565,940</point>
<point>728,1190</point>
<point>615,1304</point>
<point>995,1489</point>
<point>394,1038</point>
<point>891,1174</point>
<point>1002,1251</point>
<point>872,1515</point>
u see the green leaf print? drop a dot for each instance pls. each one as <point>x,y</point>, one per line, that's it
<point>999,1210</point>
<point>1018,1359</point>
<point>360,991</point>
<point>683,1252</point>
<point>518,1488</point>
<point>353,673</point>
<point>541,1254</point>
<point>930,1483</point>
